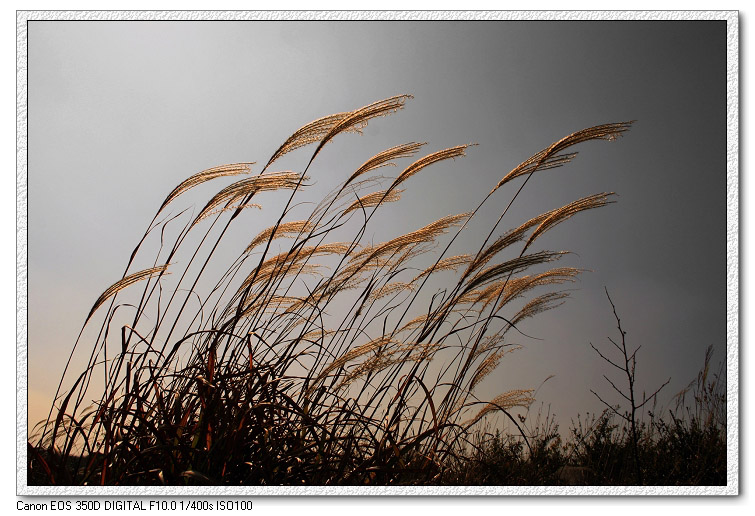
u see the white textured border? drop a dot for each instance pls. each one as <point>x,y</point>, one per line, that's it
<point>732,252</point>
<point>21,256</point>
<point>730,16</point>
<point>732,247</point>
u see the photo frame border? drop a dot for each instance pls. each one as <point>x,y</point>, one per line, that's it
<point>732,244</point>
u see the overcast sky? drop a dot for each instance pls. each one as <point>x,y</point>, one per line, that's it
<point>121,112</point>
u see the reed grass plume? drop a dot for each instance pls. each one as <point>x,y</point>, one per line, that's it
<point>325,359</point>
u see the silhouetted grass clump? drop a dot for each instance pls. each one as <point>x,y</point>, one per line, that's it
<point>335,360</point>
<point>686,446</point>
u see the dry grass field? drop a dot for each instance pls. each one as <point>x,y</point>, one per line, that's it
<point>340,360</point>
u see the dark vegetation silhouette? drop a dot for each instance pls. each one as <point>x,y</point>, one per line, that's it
<point>682,446</point>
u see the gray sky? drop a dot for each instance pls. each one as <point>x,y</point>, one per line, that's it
<point>121,112</point>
